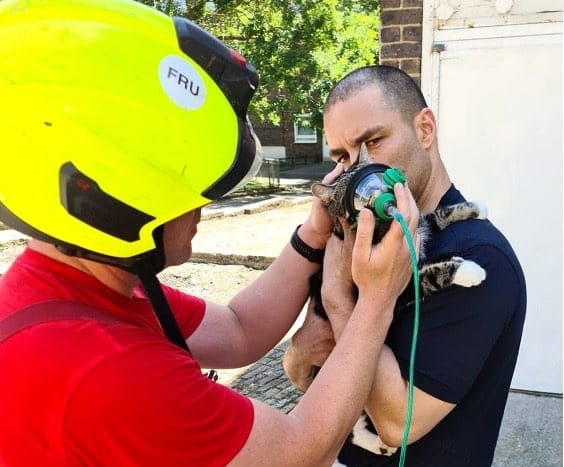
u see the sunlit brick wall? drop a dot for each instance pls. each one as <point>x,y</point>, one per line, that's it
<point>400,35</point>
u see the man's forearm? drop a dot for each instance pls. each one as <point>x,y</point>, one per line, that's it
<point>340,316</point>
<point>387,403</point>
<point>387,400</point>
<point>360,337</point>
<point>278,295</point>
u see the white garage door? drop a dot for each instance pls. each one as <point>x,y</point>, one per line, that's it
<point>498,94</point>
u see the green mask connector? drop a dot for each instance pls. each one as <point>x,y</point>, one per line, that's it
<point>392,176</point>
<point>383,202</point>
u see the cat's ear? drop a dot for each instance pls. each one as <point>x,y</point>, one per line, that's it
<point>363,154</point>
<point>323,192</point>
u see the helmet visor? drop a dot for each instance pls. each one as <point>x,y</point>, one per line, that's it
<point>246,165</point>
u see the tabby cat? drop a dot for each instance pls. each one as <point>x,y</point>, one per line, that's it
<point>435,276</point>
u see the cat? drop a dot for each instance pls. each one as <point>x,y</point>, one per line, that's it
<point>433,277</point>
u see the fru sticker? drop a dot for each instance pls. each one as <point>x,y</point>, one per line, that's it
<point>181,82</point>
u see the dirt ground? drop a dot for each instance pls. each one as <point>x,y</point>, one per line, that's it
<point>217,283</point>
<point>261,233</point>
<point>10,250</point>
<point>214,282</point>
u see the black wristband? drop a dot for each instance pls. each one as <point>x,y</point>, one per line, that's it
<point>311,254</point>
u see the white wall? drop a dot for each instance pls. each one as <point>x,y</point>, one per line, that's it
<point>478,13</point>
<point>274,152</point>
<point>498,95</point>
<point>325,149</point>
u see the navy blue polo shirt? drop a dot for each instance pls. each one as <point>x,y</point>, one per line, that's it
<point>468,342</point>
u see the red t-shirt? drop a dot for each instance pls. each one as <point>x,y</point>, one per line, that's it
<point>107,393</point>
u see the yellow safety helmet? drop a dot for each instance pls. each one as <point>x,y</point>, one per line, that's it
<point>114,119</point>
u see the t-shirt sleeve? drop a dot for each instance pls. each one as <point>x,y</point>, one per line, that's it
<point>188,309</point>
<point>150,405</point>
<point>458,328</point>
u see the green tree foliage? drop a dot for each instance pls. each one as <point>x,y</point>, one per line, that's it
<point>299,47</point>
<point>169,7</point>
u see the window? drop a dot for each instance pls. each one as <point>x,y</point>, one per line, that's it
<point>304,132</point>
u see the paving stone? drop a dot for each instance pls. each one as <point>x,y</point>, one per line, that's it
<point>267,382</point>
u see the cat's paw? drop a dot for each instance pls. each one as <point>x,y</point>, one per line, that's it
<point>468,274</point>
<point>482,209</point>
<point>364,438</point>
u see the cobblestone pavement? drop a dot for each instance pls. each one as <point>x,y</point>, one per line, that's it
<point>266,381</point>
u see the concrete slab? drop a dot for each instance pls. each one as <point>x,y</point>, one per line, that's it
<point>531,432</point>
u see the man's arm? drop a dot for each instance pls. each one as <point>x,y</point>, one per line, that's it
<point>387,401</point>
<point>259,316</point>
<point>314,431</point>
<point>308,349</point>
<point>387,404</point>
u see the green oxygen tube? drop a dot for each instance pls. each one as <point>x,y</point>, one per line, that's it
<point>384,206</point>
<point>413,254</point>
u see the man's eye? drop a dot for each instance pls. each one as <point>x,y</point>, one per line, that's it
<point>373,142</point>
<point>342,158</point>
<point>313,372</point>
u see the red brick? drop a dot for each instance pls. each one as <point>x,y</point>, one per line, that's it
<point>389,4</point>
<point>411,66</point>
<point>389,62</point>
<point>401,16</point>
<point>412,3</point>
<point>400,50</point>
<point>411,34</point>
<point>390,34</point>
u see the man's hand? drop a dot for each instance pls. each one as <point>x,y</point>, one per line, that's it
<point>318,227</point>
<point>384,269</point>
<point>338,291</point>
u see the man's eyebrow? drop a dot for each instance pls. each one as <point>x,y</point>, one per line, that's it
<point>367,133</point>
<point>336,152</point>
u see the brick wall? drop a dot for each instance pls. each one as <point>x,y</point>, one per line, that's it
<point>283,135</point>
<point>269,135</point>
<point>400,35</point>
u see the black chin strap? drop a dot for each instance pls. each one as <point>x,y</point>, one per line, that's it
<point>148,276</point>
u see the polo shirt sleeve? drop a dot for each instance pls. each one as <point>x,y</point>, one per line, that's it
<point>459,327</point>
<point>148,404</point>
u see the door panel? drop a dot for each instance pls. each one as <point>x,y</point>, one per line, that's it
<point>499,105</point>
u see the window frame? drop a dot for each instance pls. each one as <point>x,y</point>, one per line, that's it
<point>304,138</point>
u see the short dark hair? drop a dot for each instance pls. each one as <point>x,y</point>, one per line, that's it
<point>400,92</point>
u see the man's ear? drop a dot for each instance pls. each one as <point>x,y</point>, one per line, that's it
<point>426,127</point>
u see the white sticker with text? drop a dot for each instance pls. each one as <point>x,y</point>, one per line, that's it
<point>181,82</point>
